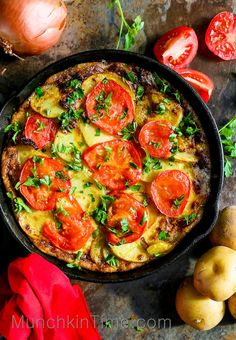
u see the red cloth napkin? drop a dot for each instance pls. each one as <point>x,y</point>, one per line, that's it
<point>39,302</point>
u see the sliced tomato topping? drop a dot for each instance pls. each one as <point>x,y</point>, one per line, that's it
<point>127,219</point>
<point>221,36</point>
<point>154,138</point>
<point>177,48</point>
<point>40,130</point>
<point>110,107</point>
<point>75,229</point>
<point>40,179</point>
<point>199,81</point>
<point>115,164</point>
<point>170,192</point>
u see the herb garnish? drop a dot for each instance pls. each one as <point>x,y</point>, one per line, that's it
<point>19,204</point>
<point>163,235</point>
<point>97,132</point>
<point>40,127</point>
<point>100,213</point>
<point>66,117</point>
<point>177,201</point>
<point>139,92</point>
<point>61,175</point>
<point>190,218</point>
<point>124,225</point>
<point>112,260</point>
<point>15,128</point>
<point>188,126</point>
<point>131,76</point>
<point>39,92</point>
<point>150,163</point>
<point>129,131</point>
<point>132,30</point>
<point>74,263</point>
<point>227,135</point>
<point>103,102</point>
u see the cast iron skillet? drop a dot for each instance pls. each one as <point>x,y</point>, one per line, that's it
<point>216,155</point>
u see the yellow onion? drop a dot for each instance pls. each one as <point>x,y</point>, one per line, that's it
<point>29,27</point>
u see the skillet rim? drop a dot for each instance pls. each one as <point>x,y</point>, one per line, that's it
<point>216,156</point>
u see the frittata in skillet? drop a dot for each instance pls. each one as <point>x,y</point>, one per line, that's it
<point>107,166</point>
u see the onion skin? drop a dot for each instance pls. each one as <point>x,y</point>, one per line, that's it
<point>32,26</point>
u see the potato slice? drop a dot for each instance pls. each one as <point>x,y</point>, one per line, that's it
<point>96,250</point>
<point>91,81</point>
<point>132,252</point>
<point>33,222</point>
<point>89,132</point>
<point>67,143</point>
<point>173,112</point>
<point>159,248</point>
<point>185,157</point>
<point>25,152</point>
<point>86,191</point>
<point>48,105</point>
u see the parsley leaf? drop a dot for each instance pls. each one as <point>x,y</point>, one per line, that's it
<point>18,203</point>
<point>177,201</point>
<point>131,30</point>
<point>39,92</point>
<point>129,131</point>
<point>188,126</point>
<point>227,135</point>
<point>163,235</point>
<point>112,260</point>
<point>150,163</point>
<point>190,218</point>
<point>15,128</point>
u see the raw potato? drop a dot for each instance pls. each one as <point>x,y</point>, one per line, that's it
<point>196,310</point>
<point>48,105</point>
<point>215,273</point>
<point>232,305</point>
<point>224,232</point>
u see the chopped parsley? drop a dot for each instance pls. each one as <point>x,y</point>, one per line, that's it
<point>144,218</point>
<point>161,108</point>
<point>190,218</point>
<point>100,213</point>
<point>154,144</point>
<point>135,187</point>
<point>74,264</point>
<point>125,112</point>
<point>103,102</point>
<point>40,127</point>
<point>133,165</point>
<point>129,131</point>
<point>177,201</point>
<point>39,92</point>
<point>124,225</point>
<point>105,81</point>
<point>131,76</point>
<point>139,92</point>
<point>163,235</point>
<point>145,200</point>
<point>150,163</point>
<point>97,132</point>
<point>18,203</point>
<point>66,117</point>
<point>112,260</point>
<point>73,190</point>
<point>188,126</point>
<point>15,129</point>
<point>87,185</point>
<point>108,152</point>
<point>61,175</point>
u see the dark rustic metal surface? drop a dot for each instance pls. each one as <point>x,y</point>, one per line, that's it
<point>92,26</point>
